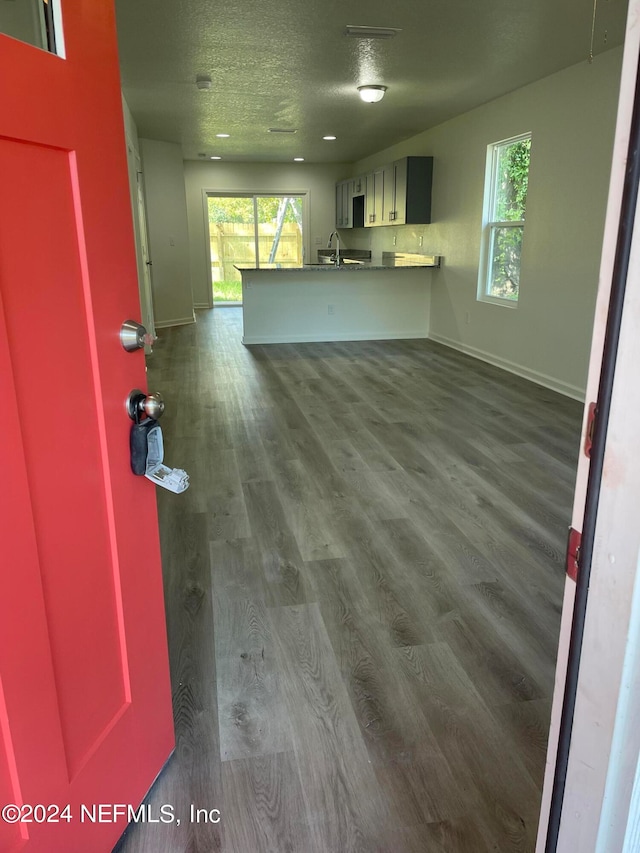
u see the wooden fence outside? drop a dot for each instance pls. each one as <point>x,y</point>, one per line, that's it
<point>234,243</point>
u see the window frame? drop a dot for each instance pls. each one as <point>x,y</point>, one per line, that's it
<point>491,225</point>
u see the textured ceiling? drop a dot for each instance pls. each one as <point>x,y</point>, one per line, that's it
<point>287,63</point>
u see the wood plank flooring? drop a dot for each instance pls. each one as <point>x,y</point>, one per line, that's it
<point>363,589</point>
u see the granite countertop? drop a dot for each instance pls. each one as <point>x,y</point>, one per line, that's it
<point>390,260</point>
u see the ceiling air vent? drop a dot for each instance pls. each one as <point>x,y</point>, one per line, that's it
<point>371,32</point>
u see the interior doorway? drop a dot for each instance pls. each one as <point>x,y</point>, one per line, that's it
<point>251,230</point>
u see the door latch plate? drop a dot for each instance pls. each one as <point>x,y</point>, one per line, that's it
<point>573,553</point>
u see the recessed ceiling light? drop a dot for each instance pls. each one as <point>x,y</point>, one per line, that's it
<point>223,135</point>
<point>329,138</point>
<point>215,157</point>
<point>371,32</point>
<point>372,94</point>
<point>282,130</point>
<point>299,159</point>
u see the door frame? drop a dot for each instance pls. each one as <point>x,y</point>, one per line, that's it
<point>140,230</point>
<point>594,808</point>
<point>143,251</point>
<point>305,194</point>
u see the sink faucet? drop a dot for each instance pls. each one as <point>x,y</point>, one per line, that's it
<point>337,236</point>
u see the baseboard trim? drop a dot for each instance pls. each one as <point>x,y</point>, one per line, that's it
<point>181,321</point>
<point>512,367</point>
<point>197,305</point>
<point>329,338</point>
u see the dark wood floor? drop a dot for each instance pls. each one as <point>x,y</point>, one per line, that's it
<point>363,590</point>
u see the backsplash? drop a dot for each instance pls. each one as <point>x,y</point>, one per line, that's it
<point>381,239</point>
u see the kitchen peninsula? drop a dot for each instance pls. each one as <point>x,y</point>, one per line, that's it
<point>351,302</point>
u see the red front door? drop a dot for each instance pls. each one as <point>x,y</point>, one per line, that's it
<point>85,711</point>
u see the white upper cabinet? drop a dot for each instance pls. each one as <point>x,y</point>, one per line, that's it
<point>344,198</point>
<point>408,195</point>
<point>374,198</point>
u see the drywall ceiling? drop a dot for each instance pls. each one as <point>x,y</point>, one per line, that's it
<point>288,64</point>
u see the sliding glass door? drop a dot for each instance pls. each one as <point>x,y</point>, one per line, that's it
<point>252,231</point>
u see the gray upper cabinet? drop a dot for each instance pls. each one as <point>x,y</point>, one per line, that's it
<point>408,194</point>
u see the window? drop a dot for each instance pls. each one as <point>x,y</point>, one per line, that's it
<point>505,200</point>
<point>36,22</point>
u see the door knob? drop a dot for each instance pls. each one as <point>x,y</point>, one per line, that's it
<point>134,336</point>
<point>139,403</point>
<point>153,405</point>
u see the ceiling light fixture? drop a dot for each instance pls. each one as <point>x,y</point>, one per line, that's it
<point>203,82</point>
<point>371,32</point>
<point>223,135</point>
<point>299,159</point>
<point>282,130</point>
<point>329,138</point>
<point>215,157</point>
<point>372,94</point>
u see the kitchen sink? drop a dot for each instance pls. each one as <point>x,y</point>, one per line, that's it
<point>327,256</point>
<point>329,261</point>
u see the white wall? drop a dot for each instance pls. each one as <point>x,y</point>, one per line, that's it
<point>330,304</point>
<point>571,116</point>
<point>317,180</point>
<point>168,233</point>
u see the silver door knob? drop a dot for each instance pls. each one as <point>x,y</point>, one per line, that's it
<point>139,404</point>
<point>153,405</point>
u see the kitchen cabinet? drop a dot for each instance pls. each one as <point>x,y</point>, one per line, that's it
<point>388,194</point>
<point>360,185</point>
<point>358,213</point>
<point>374,197</point>
<point>407,192</point>
<point>398,193</point>
<point>344,198</point>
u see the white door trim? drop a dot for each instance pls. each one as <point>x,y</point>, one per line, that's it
<point>598,784</point>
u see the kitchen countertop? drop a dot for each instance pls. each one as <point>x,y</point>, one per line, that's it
<point>390,260</point>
